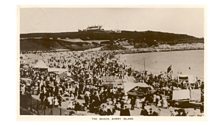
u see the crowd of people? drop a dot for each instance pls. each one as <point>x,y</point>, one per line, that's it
<point>85,79</point>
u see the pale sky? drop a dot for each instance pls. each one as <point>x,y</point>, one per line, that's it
<point>175,20</point>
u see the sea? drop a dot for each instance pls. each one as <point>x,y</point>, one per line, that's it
<point>189,62</point>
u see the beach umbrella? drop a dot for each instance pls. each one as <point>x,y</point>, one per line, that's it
<point>136,93</point>
<point>132,93</point>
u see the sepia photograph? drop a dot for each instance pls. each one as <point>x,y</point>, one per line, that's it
<point>111,61</point>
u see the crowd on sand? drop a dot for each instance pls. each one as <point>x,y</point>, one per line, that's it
<point>84,80</point>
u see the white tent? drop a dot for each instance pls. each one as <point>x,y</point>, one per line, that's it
<point>130,85</point>
<point>40,64</point>
<point>195,95</point>
<point>181,94</point>
<point>182,78</point>
<point>189,78</point>
<point>186,94</point>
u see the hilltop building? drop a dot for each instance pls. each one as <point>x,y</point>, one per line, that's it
<point>98,28</point>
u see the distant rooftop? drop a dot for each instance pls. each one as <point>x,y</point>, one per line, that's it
<point>93,28</point>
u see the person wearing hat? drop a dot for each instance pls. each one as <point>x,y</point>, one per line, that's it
<point>150,112</point>
<point>127,111</point>
<point>144,112</point>
<point>133,101</point>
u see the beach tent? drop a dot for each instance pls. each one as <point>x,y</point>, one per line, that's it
<point>182,94</point>
<point>182,78</point>
<point>137,89</point>
<point>140,91</point>
<point>57,70</point>
<point>186,94</point>
<point>195,95</point>
<point>189,78</point>
<point>130,85</point>
<point>40,65</point>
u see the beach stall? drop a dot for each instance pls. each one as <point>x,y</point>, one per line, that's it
<point>182,94</point>
<point>195,95</point>
<point>186,97</point>
<point>187,81</point>
<point>182,78</point>
<point>180,97</point>
<point>186,78</point>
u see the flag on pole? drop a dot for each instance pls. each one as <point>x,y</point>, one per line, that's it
<point>169,68</point>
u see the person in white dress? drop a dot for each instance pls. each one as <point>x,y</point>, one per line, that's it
<point>165,103</point>
<point>70,105</point>
<point>56,102</point>
<point>50,101</point>
<point>138,103</point>
<point>159,104</point>
<point>154,98</point>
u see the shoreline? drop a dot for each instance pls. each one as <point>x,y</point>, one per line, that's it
<point>154,50</point>
<point>165,48</point>
<point>149,51</point>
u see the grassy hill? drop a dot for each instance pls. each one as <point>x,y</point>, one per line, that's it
<point>44,44</point>
<point>52,41</point>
